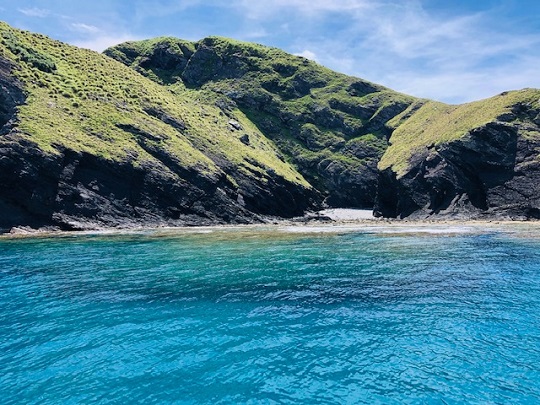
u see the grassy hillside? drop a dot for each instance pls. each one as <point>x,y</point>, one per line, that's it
<point>436,123</point>
<point>100,140</point>
<point>332,127</point>
<point>80,100</point>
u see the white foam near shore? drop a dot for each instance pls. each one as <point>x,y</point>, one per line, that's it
<point>385,228</point>
<point>347,214</point>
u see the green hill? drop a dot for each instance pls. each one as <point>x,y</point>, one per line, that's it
<point>479,159</point>
<point>86,139</point>
<point>173,132</point>
<point>332,127</point>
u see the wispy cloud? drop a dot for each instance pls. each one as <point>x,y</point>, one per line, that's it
<point>306,53</point>
<point>84,28</point>
<point>256,9</point>
<point>98,39</point>
<point>34,12</point>
<point>159,8</point>
<point>456,57</point>
<point>457,86</point>
<point>255,33</point>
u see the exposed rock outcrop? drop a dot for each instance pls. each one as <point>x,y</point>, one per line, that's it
<point>492,171</point>
<point>74,190</point>
<point>11,95</point>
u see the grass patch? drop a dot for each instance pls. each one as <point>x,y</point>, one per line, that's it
<point>94,104</point>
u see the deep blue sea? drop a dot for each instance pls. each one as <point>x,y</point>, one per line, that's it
<point>398,314</point>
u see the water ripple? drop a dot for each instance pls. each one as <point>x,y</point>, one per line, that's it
<point>251,317</point>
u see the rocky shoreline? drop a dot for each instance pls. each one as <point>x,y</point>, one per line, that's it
<point>334,218</point>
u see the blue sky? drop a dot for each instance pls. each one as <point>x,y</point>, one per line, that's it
<point>453,51</point>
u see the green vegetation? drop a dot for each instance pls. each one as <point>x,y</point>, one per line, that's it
<point>309,111</point>
<point>228,108</point>
<point>83,101</point>
<point>436,123</point>
<point>26,53</point>
<point>172,53</point>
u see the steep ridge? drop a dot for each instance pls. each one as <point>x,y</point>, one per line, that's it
<point>87,142</point>
<point>476,160</point>
<point>332,127</point>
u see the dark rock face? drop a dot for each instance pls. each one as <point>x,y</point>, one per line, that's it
<point>494,171</point>
<point>163,58</point>
<point>78,191</point>
<point>209,63</point>
<point>11,96</point>
<point>75,191</point>
<point>349,186</point>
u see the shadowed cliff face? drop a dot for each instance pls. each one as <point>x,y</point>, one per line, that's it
<point>75,191</point>
<point>11,95</point>
<point>80,191</point>
<point>492,171</point>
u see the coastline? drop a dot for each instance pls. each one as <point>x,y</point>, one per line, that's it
<point>325,221</point>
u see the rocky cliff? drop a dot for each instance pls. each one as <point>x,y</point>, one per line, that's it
<point>478,160</point>
<point>87,142</point>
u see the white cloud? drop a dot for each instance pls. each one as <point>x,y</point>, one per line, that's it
<point>325,5</point>
<point>161,8</point>
<point>468,85</point>
<point>454,58</point>
<point>101,42</point>
<point>255,33</point>
<point>34,12</point>
<point>84,28</point>
<point>257,9</point>
<point>306,53</point>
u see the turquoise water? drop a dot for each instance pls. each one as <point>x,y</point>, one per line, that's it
<point>374,315</point>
